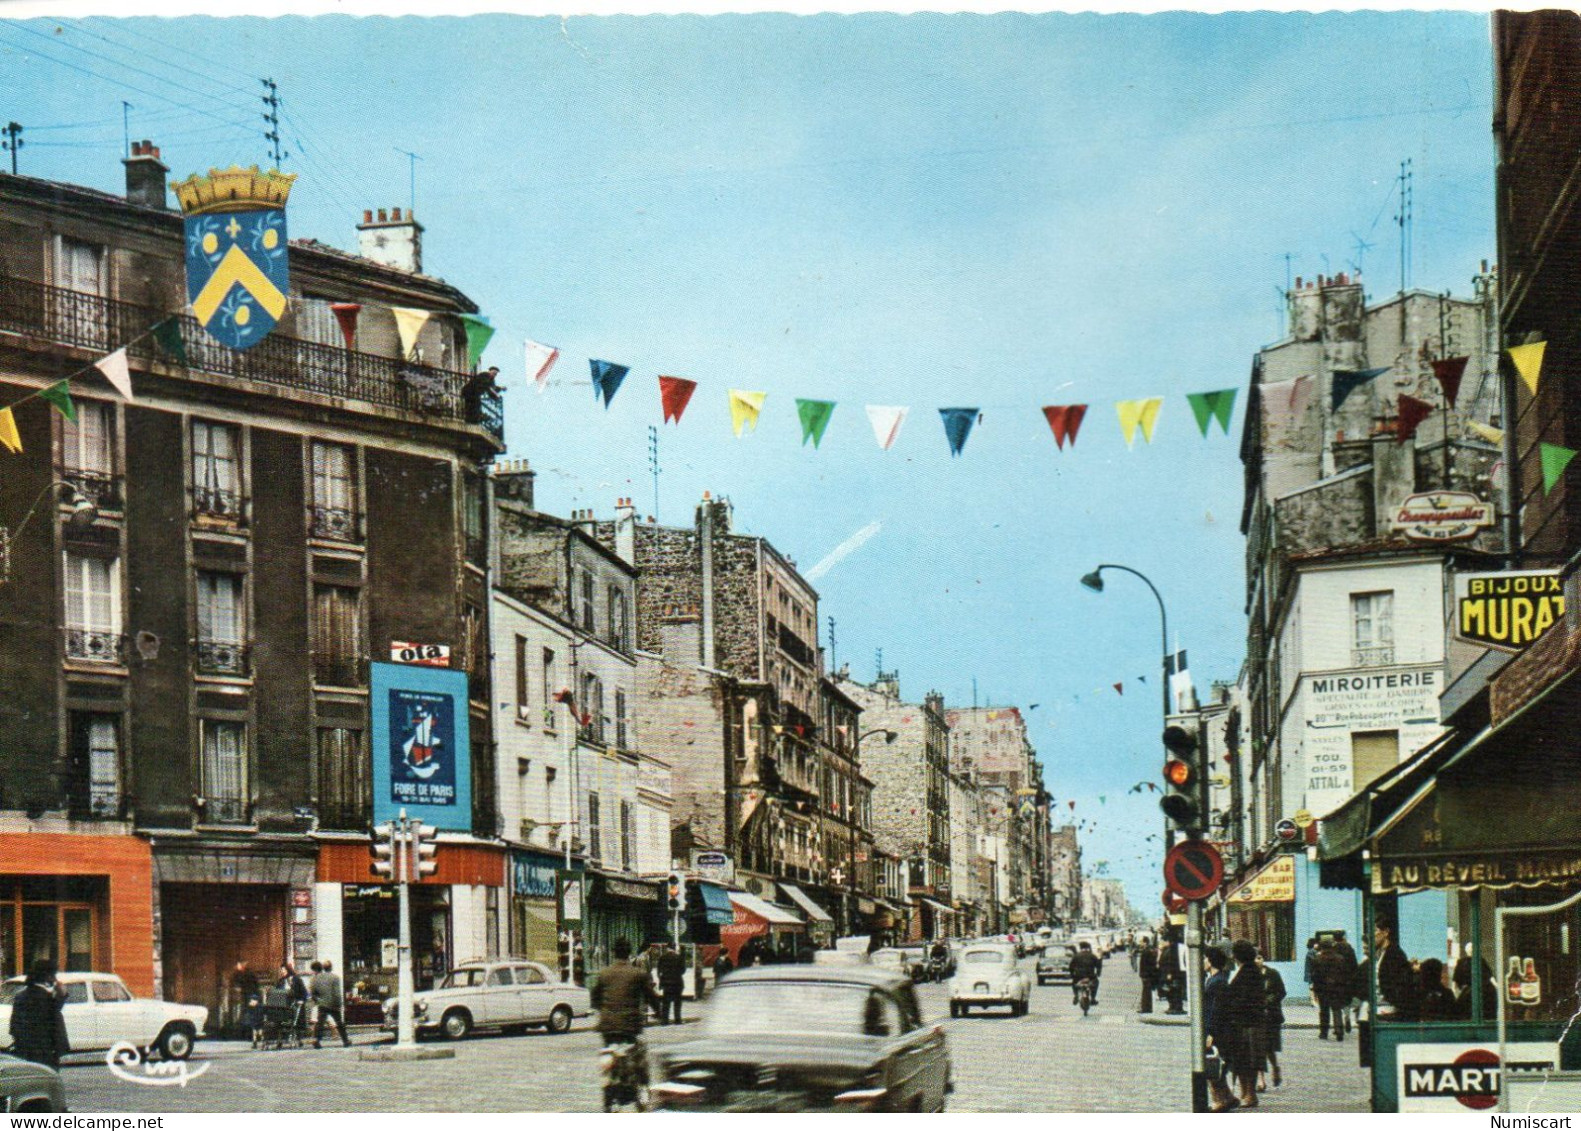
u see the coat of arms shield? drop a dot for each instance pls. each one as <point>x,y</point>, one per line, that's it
<point>238,268</point>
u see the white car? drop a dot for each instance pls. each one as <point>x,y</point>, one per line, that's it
<point>100,1012</point>
<point>501,994</point>
<point>989,975</point>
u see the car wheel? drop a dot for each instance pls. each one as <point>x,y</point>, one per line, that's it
<point>175,1043</point>
<point>955,1009</point>
<point>560,1019</point>
<point>456,1024</point>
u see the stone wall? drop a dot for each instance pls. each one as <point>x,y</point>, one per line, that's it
<point>683,712</point>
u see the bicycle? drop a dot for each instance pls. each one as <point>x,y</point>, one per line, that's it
<point>624,1067</point>
<point>1084,995</point>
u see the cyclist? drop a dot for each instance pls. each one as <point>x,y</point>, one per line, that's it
<point>623,995</point>
<point>1084,966</point>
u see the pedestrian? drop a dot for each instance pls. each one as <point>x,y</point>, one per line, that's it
<point>672,984</point>
<point>1147,969</point>
<point>1216,1025</point>
<point>1347,954</point>
<point>622,994</point>
<point>1171,975</point>
<point>248,996</point>
<point>1273,1022</point>
<point>1463,988</point>
<point>1434,1002</point>
<point>1309,968</point>
<point>1333,987</point>
<point>291,982</point>
<point>38,1028</point>
<point>1396,980</point>
<point>328,1001</point>
<point>1246,1001</point>
<point>722,966</point>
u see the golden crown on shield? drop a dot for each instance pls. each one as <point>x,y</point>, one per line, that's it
<point>233,190</point>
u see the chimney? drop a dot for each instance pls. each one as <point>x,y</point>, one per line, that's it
<point>513,479</point>
<point>393,238</point>
<point>145,176</point>
<point>626,531</point>
<point>583,521</point>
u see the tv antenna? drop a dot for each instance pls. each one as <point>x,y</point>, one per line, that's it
<point>411,160</point>
<point>272,116</point>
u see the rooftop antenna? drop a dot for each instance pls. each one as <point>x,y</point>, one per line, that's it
<point>878,662</point>
<point>1402,218</point>
<point>653,466</point>
<point>1362,248</point>
<point>411,160</point>
<point>13,142</point>
<point>272,116</point>
<point>126,127</point>
<point>834,655</point>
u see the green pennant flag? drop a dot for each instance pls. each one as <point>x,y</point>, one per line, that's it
<point>1555,460</point>
<point>814,419</point>
<point>168,335</point>
<point>478,334</point>
<point>1218,405</point>
<point>59,395</point>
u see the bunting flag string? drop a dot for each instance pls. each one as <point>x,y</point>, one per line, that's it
<point>8,433</point>
<point>1064,421</point>
<point>1136,414</point>
<point>478,334</point>
<point>958,426</point>
<point>814,419</point>
<point>1528,362</point>
<point>115,371</point>
<point>674,395</point>
<point>1208,407</point>
<point>114,368</point>
<point>745,407</point>
<point>168,336</point>
<point>1348,380</point>
<point>607,376</point>
<point>1120,688</point>
<point>886,421</point>
<point>409,323</point>
<point>1412,412</point>
<point>1449,372</point>
<point>541,359</point>
<point>1554,460</point>
<point>59,395</point>
<point>346,314</point>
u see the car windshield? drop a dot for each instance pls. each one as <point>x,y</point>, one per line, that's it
<point>459,978</point>
<point>984,958</point>
<point>771,1008</point>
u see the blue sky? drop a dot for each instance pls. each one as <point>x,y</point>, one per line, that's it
<point>995,211</point>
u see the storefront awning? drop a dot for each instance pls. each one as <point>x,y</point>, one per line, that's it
<point>941,908</point>
<point>772,914</point>
<point>716,900</point>
<point>814,913</point>
<point>1274,882</point>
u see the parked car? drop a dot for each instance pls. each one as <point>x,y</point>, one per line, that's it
<point>989,975</point>
<point>1054,964</point>
<point>808,1038</point>
<point>26,1087</point>
<point>504,994</point>
<point>100,1012</point>
<point>902,962</point>
<point>846,958</point>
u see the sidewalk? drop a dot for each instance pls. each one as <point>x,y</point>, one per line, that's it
<point>1300,1013</point>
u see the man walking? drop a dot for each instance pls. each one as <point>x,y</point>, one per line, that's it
<point>1331,982</point>
<point>672,984</point>
<point>38,1030</point>
<point>1147,969</point>
<point>329,1001</point>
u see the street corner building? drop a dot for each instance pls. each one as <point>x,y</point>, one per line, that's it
<point>213,541</point>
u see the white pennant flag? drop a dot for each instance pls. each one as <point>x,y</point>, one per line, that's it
<point>540,359</point>
<point>886,420</point>
<point>409,323</point>
<point>114,369</point>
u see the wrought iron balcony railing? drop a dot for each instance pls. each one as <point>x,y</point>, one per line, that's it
<point>93,322</point>
<point>1373,656</point>
<point>218,502</point>
<point>95,646</point>
<point>222,657</point>
<point>100,488</point>
<point>225,811</point>
<point>335,523</point>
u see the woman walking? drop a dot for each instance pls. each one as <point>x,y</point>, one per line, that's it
<point>1246,1004</point>
<point>1273,1024</point>
<point>1216,1023</point>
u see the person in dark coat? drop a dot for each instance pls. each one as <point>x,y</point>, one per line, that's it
<point>1396,980</point>
<point>1171,978</point>
<point>1147,970</point>
<point>1216,1024</point>
<point>1246,1004</point>
<point>1309,968</point>
<point>247,993</point>
<point>722,966</point>
<point>622,994</point>
<point>1347,954</point>
<point>1434,1002</point>
<point>1333,986</point>
<point>38,1028</point>
<point>672,984</point>
<point>1273,1022</point>
<point>1463,987</point>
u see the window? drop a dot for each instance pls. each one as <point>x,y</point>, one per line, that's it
<point>87,453</point>
<point>523,708</point>
<point>95,774</point>
<point>584,597</point>
<point>475,647</point>
<point>1373,753</point>
<point>222,624</point>
<point>110,991</point>
<point>530,976</point>
<point>1271,927</point>
<point>627,835</point>
<point>592,708</point>
<point>622,729</point>
<point>345,794</point>
<point>224,772</point>
<point>547,676</point>
<point>501,977</point>
<point>334,503</point>
<point>472,520</point>
<point>93,608</point>
<point>337,635</point>
<point>1372,628</point>
<point>595,831</point>
<point>79,266</point>
<point>216,470</point>
<point>617,618</point>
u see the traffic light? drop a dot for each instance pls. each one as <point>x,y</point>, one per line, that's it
<point>1183,801</point>
<point>384,851</point>
<point>675,891</point>
<point>424,841</point>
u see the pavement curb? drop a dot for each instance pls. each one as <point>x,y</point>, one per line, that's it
<point>1185,1019</point>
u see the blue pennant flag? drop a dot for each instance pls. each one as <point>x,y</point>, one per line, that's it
<point>607,377</point>
<point>1347,380</point>
<point>958,425</point>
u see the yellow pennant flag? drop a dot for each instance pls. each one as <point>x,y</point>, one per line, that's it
<point>1489,433</point>
<point>1134,414</point>
<point>409,323</point>
<point>744,409</point>
<point>1528,363</point>
<point>8,433</point>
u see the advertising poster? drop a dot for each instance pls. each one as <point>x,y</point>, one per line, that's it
<point>1338,705</point>
<point>421,750</point>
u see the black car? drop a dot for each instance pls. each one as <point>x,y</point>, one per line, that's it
<point>808,1038</point>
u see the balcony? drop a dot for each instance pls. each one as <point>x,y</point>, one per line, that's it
<point>334,523</point>
<point>222,657</point>
<point>224,811</point>
<point>218,503</point>
<point>93,646</point>
<point>100,488</point>
<point>293,365</point>
<point>1373,656</point>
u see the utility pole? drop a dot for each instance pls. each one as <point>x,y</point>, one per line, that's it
<point>14,142</point>
<point>272,116</point>
<point>1403,220</point>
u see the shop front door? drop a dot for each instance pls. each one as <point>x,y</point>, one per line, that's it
<point>209,928</point>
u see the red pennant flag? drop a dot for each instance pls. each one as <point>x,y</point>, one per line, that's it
<point>346,314</point>
<point>1449,371</point>
<point>1120,687</point>
<point>1412,413</point>
<point>675,392</point>
<point>1065,421</point>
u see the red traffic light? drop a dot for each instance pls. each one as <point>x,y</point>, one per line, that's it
<point>1178,773</point>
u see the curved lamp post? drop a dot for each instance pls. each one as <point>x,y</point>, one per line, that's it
<point>1094,581</point>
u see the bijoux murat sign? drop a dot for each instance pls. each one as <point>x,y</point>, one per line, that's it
<point>1442,516</point>
<point>1507,611</point>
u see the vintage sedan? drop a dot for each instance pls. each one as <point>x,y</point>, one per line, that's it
<point>505,994</point>
<point>26,1087</point>
<point>989,975</point>
<point>101,1012</point>
<point>808,1038</point>
<point>1054,964</point>
<point>906,963</point>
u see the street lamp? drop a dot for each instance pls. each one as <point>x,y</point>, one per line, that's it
<point>1094,581</point>
<point>83,513</point>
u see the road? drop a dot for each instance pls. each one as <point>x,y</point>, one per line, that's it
<point>1053,1059</point>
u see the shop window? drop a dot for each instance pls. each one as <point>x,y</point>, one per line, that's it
<point>216,471</point>
<point>1373,754</point>
<point>46,919</point>
<point>1271,927</point>
<point>1372,628</point>
<point>224,772</point>
<point>345,792</point>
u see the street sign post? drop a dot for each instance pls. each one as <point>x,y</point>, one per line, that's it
<point>1193,869</point>
<point>1287,829</point>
